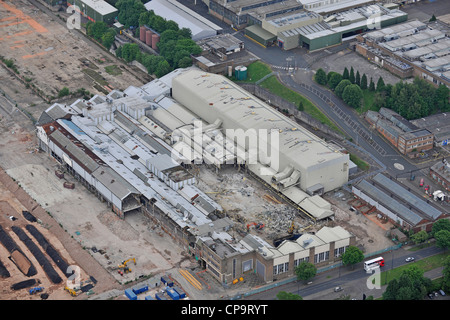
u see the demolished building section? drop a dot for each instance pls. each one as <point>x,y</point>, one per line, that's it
<point>126,149</point>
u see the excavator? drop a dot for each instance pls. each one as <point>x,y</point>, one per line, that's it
<point>124,266</point>
<point>72,292</point>
<point>258,226</point>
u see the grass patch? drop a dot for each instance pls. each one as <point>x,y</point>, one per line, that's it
<point>276,87</point>
<point>113,70</point>
<point>368,99</point>
<point>426,264</point>
<point>255,71</point>
<point>359,162</point>
<point>95,76</point>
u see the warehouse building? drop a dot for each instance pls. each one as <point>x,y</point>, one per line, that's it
<point>186,18</point>
<point>422,48</point>
<point>408,138</point>
<point>123,148</point>
<point>400,205</point>
<point>439,125</point>
<point>440,172</point>
<point>95,10</point>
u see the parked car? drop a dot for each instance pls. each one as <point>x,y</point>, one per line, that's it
<point>337,289</point>
<point>409,259</point>
<point>430,295</point>
<point>442,292</point>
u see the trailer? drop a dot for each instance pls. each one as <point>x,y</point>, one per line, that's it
<point>140,288</point>
<point>172,293</point>
<point>130,294</point>
<point>180,292</point>
<point>167,281</point>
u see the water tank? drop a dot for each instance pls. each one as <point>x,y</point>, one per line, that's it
<point>142,34</point>
<point>155,40</point>
<point>240,73</point>
<point>148,37</point>
<point>243,73</point>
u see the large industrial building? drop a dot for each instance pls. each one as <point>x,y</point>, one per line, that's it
<point>313,24</point>
<point>399,205</point>
<point>410,49</point>
<point>95,10</point>
<point>185,18</point>
<point>124,148</point>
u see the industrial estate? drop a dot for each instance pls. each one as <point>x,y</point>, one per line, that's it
<point>121,181</point>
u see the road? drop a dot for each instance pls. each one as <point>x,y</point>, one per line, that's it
<point>353,281</point>
<point>347,120</point>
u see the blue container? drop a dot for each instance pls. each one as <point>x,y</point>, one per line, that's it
<point>160,296</point>
<point>140,288</point>
<point>130,294</point>
<point>166,281</point>
<point>172,293</point>
<point>149,298</point>
<point>180,292</point>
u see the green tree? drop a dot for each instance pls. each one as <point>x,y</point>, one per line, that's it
<point>351,76</point>
<point>352,96</point>
<point>334,80</point>
<point>442,239</point>
<point>411,285</point>
<point>129,12</point>
<point>380,84</point>
<point>321,77</point>
<point>433,18</point>
<point>345,74</point>
<point>358,79</point>
<point>162,69</point>
<point>420,237</point>
<point>352,256</point>
<point>371,85</point>
<point>441,224</point>
<point>184,62</point>
<point>446,275</point>
<point>96,29</point>
<point>441,98</point>
<point>339,90</point>
<point>305,271</point>
<point>108,38</point>
<point>363,82</point>
<point>283,295</point>
<point>63,92</point>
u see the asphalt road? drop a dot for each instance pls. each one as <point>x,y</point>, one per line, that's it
<point>347,120</point>
<point>354,281</point>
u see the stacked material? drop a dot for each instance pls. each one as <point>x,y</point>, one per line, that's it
<point>60,262</point>
<point>40,257</point>
<point>17,256</point>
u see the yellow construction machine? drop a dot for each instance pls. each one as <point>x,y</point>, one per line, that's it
<point>124,268</point>
<point>72,292</point>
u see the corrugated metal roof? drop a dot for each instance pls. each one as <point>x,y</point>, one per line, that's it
<point>114,182</point>
<point>388,202</point>
<point>408,196</point>
<point>74,152</point>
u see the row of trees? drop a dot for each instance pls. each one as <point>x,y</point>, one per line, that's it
<point>101,32</point>
<point>175,44</point>
<point>410,100</point>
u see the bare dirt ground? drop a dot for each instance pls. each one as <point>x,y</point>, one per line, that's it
<point>49,56</point>
<point>246,201</point>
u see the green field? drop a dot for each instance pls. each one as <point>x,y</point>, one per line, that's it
<point>273,85</point>
<point>426,264</point>
<point>255,71</point>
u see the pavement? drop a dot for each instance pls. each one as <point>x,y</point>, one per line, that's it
<point>354,280</point>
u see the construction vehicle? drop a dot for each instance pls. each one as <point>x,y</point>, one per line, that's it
<point>72,292</point>
<point>258,226</point>
<point>291,228</point>
<point>35,290</point>
<point>124,268</point>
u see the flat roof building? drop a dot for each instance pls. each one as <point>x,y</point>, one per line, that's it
<point>95,10</point>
